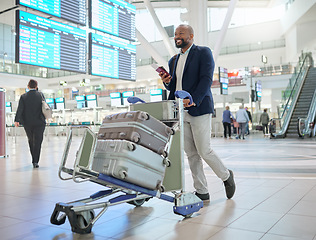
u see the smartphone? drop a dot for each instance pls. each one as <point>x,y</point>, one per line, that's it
<point>160,69</point>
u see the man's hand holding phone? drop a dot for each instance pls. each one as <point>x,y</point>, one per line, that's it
<point>163,73</point>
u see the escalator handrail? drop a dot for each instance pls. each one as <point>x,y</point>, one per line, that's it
<point>301,126</point>
<point>310,116</point>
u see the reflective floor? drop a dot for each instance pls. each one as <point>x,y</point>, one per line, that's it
<point>275,197</point>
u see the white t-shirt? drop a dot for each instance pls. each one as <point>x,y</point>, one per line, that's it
<point>180,67</point>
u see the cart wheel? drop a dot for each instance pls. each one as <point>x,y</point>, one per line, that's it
<point>170,131</point>
<point>131,146</point>
<point>162,152</point>
<point>58,218</point>
<point>135,137</point>
<point>138,202</point>
<point>84,219</point>
<point>146,116</point>
<point>188,215</point>
<point>161,188</point>
<point>122,174</point>
<point>166,162</point>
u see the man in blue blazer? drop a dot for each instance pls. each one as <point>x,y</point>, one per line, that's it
<point>192,70</point>
<point>29,113</point>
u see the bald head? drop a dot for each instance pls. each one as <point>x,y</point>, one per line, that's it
<point>188,27</point>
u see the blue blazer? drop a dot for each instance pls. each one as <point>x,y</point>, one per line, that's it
<point>197,79</point>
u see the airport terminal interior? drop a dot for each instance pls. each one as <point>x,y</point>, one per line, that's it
<point>89,56</point>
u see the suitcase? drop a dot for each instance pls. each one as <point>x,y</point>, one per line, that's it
<point>138,127</point>
<point>130,162</point>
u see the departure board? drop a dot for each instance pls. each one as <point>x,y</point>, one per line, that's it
<point>115,17</point>
<point>112,57</point>
<point>223,79</point>
<point>46,43</point>
<point>72,10</point>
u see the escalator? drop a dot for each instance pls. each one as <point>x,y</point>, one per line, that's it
<point>299,105</point>
<point>303,103</point>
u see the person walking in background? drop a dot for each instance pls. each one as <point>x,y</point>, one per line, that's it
<point>264,120</point>
<point>29,113</point>
<point>250,121</point>
<point>192,70</point>
<point>227,117</point>
<point>242,119</point>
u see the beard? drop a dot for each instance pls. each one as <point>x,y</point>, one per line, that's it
<point>183,43</point>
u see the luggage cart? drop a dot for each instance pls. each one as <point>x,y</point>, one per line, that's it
<point>81,214</point>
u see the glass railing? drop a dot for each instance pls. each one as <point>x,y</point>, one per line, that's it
<point>230,50</point>
<point>9,66</point>
<point>252,47</point>
<point>291,93</point>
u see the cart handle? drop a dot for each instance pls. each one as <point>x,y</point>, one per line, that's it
<point>62,166</point>
<point>134,100</point>
<point>179,94</point>
<point>183,94</point>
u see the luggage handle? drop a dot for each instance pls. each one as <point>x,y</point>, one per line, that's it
<point>183,94</point>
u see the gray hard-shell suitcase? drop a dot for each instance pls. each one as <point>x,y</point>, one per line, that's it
<point>130,162</point>
<point>138,127</point>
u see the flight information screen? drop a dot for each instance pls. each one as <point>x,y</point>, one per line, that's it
<point>115,17</point>
<point>223,79</point>
<point>112,57</point>
<point>47,43</point>
<point>72,10</point>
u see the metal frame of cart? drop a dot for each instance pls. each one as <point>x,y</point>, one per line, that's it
<point>81,213</point>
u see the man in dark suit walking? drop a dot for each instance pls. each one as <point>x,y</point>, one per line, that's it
<point>192,70</point>
<point>29,114</point>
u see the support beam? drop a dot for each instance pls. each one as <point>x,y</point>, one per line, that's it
<point>223,31</point>
<point>151,50</point>
<point>162,31</point>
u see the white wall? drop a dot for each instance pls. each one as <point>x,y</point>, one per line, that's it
<point>306,39</point>
<point>291,43</point>
<point>248,34</point>
<point>275,56</point>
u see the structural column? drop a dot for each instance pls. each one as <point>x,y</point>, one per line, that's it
<point>2,124</point>
<point>196,16</point>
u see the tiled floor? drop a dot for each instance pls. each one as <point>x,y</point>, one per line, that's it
<point>275,197</point>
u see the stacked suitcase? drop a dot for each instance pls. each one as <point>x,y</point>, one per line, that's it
<point>132,146</point>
